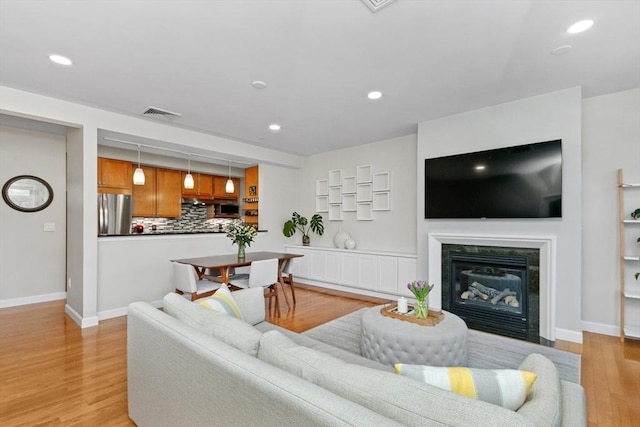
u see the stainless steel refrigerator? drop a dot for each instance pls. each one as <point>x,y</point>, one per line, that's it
<point>114,214</point>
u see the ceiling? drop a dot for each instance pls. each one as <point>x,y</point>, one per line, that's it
<point>318,58</point>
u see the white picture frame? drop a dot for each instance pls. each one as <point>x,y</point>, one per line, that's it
<point>364,211</point>
<point>335,213</point>
<point>363,193</point>
<point>322,187</point>
<point>335,178</point>
<point>322,203</point>
<point>335,195</point>
<point>381,181</point>
<point>363,174</point>
<point>381,201</point>
<point>348,203</point>
<point>349,185</point>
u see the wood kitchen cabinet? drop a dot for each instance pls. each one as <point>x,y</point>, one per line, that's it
<point>219,184</point>
<point>251,196</point>
<point>114,176</point>
<point>202,188</point>
<point>160,195</point>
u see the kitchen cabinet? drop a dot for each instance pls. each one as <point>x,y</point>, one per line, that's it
<point>251,196</point>
<point>219,184</point>
<point>202,188</point>
<point>160,195</point>
<point>114,176</point>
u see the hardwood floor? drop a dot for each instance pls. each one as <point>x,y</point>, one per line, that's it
<point>54,373</point>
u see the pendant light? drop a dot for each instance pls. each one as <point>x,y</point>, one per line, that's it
<point>188,179</point>
<point>138,174</point>
<point>229,188</point>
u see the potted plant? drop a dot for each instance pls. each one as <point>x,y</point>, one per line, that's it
<point>242,235</point>
<point>298,222</point>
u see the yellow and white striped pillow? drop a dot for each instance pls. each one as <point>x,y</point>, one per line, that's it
<point>504,387</point>
<point>223,301</point>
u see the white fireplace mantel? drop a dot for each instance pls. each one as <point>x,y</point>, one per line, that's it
<point>544,243</point>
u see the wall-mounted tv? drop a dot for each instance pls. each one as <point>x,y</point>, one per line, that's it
<point>523,181</point>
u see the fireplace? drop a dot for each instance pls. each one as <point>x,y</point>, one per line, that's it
<point>540,252</point>
<point>490,292</point>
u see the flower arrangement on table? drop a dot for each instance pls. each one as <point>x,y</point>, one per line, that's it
<point>242,235</point>
<point>420,289</point>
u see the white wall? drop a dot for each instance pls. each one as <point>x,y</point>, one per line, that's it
<point>553,116</point>
<point>32,261</point>
<point>393,230</point>
<point>610,140</point>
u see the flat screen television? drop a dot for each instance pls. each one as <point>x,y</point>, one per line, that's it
<point>523,181</point>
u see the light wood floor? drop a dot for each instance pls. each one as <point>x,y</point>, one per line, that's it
<point>54,373</point>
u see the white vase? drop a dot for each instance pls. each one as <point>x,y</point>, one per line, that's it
<point>340,238</point>
<point>349,243</point>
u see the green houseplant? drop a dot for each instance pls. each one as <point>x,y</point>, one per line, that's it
<point>301,223</point>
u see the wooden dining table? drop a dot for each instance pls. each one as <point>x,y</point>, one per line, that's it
<point>224,263</point>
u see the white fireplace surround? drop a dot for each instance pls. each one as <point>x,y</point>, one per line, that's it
<point>545,244</point>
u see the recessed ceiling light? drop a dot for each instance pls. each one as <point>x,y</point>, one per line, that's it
<point>480,167</point>
<point>274,126</point>
<point>374,95</point>
<point>581,26</point>
<point>259,84</point>
<point>59,59</point>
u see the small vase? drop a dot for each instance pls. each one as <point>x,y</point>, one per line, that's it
<point>241,253</point>
<point>306,240</point>
<point>421,309</point>
<point>340,238</point>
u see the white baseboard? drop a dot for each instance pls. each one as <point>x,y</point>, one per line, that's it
<point>567,335</point>
<point>84,322</point>
<point>14,302</point>
<point>122,311</point>
<point>601,328</point>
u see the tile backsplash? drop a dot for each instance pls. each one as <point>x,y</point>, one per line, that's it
<point>193,218</point>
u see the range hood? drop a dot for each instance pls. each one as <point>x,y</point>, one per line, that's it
<point>196,201</point>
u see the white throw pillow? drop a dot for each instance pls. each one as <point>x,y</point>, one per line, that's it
<point>223,302</point>
<point>505,387</point>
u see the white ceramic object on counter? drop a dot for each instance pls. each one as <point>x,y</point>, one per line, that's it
<point>349,243</point>
<point>340,238</point>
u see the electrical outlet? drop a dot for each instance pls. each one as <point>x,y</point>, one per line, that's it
<point>49,226</point>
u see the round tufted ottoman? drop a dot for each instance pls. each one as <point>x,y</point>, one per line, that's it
<point>390,341</point>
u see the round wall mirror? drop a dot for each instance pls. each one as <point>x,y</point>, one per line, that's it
<point>27,193</point>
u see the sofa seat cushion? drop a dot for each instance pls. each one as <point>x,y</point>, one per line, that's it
<point>223,327</point>
<point>402,399</point>
<point>505,387</point>
<point>544,404</point>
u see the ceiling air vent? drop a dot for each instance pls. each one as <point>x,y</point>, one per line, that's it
<point>376,5</point>
<point>159,113</point>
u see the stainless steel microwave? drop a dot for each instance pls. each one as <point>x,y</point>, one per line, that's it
<point>227,208</point>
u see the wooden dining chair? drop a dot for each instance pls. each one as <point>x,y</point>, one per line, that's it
<point>287,277</point>
<point>186,281</point>
<point>262,273</point>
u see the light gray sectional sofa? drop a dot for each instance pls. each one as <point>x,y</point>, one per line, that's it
<point>190,366</point>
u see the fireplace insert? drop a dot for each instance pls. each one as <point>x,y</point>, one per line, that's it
<point>490,293</point>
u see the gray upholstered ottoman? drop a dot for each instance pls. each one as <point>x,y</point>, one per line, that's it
<point>390,341</point>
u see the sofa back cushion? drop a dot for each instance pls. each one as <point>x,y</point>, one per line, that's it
<point>402,399</point>
<point>221,326</point>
